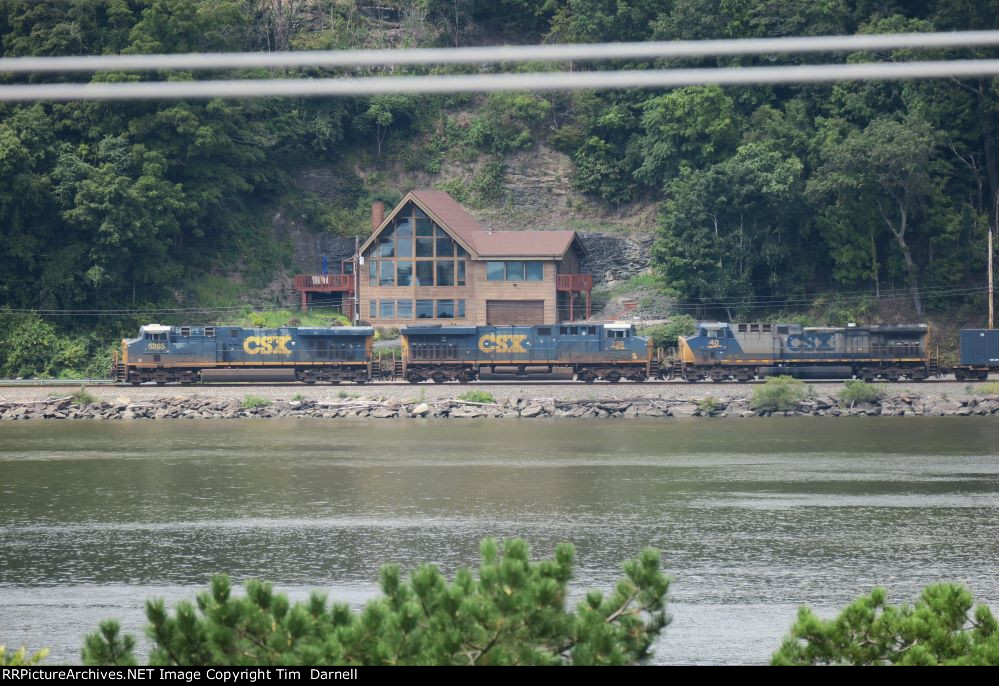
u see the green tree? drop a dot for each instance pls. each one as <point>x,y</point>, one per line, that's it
<point>512,612</point>
<point>940,629</point>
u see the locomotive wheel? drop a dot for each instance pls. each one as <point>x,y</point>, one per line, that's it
<point>613,377</point>
<point>960,375</point>
<point>982,376</point>
<point>439,377</point>
<point>587,377</point>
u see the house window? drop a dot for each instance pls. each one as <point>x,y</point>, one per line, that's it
<point>461,272</point>
<point>445,246</point>
<point>387,309</point>
<point>515,270</point>
<point>445,309</point>
<point>424,309</point>
<point>445,272</point>
<point>404,273</point>
<point>373,272</point>
<point>387,273</point>
<point>424,273</point>
<point>495,271</point>
<point>373,309</point>
<point>461,309</point>
<point>404,309</point>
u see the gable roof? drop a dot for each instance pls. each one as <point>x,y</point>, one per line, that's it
<point>523,243</point>
<point>446,211</point>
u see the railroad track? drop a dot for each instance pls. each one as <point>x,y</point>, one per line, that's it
<point>76,383</point>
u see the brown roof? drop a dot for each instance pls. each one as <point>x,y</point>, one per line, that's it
<point>523,243</point>
<point>441,206</point>
<point>451,214</point>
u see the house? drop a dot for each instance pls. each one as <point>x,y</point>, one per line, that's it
<point>429,261</point>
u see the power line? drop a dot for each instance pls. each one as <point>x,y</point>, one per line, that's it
<point>482,83</point>
<point>498,54</point>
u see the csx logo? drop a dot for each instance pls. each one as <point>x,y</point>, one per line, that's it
<point>267,345</point>
<point>502,343</point>
<point>156,346</point>
<point>811,341</point>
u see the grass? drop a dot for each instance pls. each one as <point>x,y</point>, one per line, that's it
<point>251,402</point>
<point>779,394</point>
<point>345,394</point>
<point>298,397</point>
<point>986,389</point>
<point>477,397</point>
<point>859,391</point>
<point>81,397</point>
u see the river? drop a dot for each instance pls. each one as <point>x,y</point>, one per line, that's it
<point>753,517</point>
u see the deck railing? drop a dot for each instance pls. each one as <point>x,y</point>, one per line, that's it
<point>324,282</point>
<point>574,282</point>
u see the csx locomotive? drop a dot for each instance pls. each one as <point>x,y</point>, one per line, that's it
<point>586,352</point>
<point>721,351</point>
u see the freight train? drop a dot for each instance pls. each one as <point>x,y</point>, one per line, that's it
<point>586,352</point>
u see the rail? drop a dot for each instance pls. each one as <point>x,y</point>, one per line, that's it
<point>574,282</point>
<point>324,282</point>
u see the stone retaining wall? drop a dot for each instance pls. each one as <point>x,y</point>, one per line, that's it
<point>380,408</point>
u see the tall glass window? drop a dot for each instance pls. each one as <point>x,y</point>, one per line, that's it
<point>514,271</point>
<point>388,309</point>
<point>404,273</point>
<point>372,272</point>
<point>424,273</point>
<point>404,309</point>
<point>445,309</point>
<point>535,271</point>
<point>460,309</point>
<point>461,272</point>
<point>445,246</point>
<point>424,309</point>
<point>373,309</point>
<point>387,273</point>
<point>445,272</point>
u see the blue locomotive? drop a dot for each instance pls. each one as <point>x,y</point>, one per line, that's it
<point>721,351</point>
<point>187,354</point>
<point>591,352</point>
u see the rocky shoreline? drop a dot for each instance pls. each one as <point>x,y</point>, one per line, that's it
<point>195,407</point>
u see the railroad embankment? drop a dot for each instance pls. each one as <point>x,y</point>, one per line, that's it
<point>734,405</point>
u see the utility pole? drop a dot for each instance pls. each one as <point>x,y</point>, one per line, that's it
<point>990,280</point>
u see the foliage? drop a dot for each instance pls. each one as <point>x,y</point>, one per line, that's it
<point>859,391</point>
<point>779,394</point>
<point>666,335</point>
<point>940,629</point>
<point>251,402</point>
<point>387,333</point>
<point>511,612</point>
<point>273,319</point>
<point>82,397</point>
<point>20,657</point>
<point>477,397</point>
<point>708,405</point>
<point>298,397</point>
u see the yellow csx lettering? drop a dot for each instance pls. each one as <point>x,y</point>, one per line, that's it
<point>267,345</point>
<point>502,343</point>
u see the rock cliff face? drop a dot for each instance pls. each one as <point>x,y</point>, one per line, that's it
<point>615,257</point>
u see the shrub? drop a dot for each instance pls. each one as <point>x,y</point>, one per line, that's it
<point>298,397</point>
<point>665,335</point>
<point>477,397</point>
<point>708,405</point>
<point>20,657</point>
<point>510,612</point>
<point>940,630</point>
<point>859,391</point>
<point>253,401</point>
<point>81,397</point>
<point>779,394</point>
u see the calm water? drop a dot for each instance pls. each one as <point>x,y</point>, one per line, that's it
<point>753,517</point>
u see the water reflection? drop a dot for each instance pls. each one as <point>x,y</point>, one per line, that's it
<point>754,517</point>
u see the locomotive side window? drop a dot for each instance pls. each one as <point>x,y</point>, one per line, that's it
<point>563,331</point>
<point>742,328</point>
<point>754,328</point>
<point>767,328</point>
<point>210,331</point>
<point>185,331</point>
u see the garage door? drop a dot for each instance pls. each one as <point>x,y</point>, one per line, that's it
<point>515,312</point>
